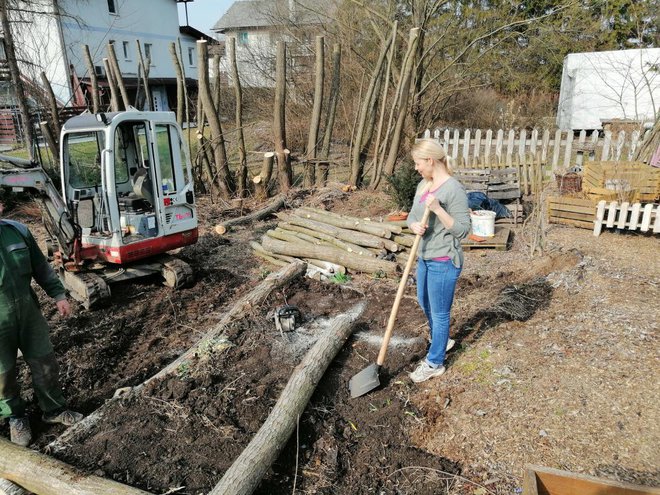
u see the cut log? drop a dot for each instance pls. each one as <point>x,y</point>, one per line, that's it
<point>324,265</point>
<point>245,474</point>
<point>346,246</point>
<point>44,475</point>
<point>360,238</point>
<point>344,222</point>
<point>272,207</point>
<point>394,229</point>
<point>335,255</point>
<point>404,240</point>
<point>253,298</point>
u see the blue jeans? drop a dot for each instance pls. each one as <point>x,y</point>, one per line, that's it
<point>436,282</point>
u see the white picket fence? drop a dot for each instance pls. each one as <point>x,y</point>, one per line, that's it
<point>557,150</point>
<point>627,216</point>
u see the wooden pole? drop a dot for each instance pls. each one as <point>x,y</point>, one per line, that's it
<point>52,103</point>
<point>238,94</point>
<point>244,475</point>
<point>44,475</point>
<point>224,178</point>
<point>145,77</point>
<point>309,176</point>
<point>50,139</point>
<point>284,174</point>
<point>116,72</point>
<point>114,98</point>
<point>94,83</point>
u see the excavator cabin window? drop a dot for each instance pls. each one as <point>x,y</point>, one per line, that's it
<point>84,158</point>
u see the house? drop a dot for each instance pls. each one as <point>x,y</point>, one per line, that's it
<point>52,34</point>
<point>257,26</point>
<point>599,88</point>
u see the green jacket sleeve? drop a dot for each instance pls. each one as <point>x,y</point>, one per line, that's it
<point>42,272</point>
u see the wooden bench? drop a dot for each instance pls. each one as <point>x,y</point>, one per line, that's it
<point>502,184</point>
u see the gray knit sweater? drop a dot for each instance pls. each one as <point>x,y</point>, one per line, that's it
<point>437,240</point>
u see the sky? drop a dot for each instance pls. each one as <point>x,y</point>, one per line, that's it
<point>203,14</point>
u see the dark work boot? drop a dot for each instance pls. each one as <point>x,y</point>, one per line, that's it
<point>20,431</point>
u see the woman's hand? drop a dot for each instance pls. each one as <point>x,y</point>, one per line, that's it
<point>433,204</point>
<point>418,228</point>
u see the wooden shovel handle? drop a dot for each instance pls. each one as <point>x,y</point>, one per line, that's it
<point>402,287</point>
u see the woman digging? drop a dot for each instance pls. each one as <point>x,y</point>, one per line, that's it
<point>440,258</point>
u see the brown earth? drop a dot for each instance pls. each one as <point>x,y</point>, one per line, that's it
<point>556,364</point>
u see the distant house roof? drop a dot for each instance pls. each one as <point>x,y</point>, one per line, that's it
<point>195,33</point>
<point>265,13</point>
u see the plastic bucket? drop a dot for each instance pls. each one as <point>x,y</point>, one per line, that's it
<point>483,223</point>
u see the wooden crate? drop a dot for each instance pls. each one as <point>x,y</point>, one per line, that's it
<point>576,212</point>
<point>643,180</point>
<point>546,481</point>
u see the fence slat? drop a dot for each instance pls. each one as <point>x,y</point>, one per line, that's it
<point>509,147</point>
<point>568,150</point>
<point>606,146</point>
<point>498,146</point>
<point>646,217</point>
<point>555,151</point>
<point>545,146</point>
<point>619,145</point>
<point>466,148</point>
<point>487,145</point>
<point>477,147</point>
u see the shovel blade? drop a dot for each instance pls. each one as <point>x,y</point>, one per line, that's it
<point>365,381</point>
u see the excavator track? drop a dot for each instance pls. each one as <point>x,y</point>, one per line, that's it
<point>176,273</point>
<point>87,288</point>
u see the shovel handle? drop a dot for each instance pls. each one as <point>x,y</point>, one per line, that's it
<point>402,287</point>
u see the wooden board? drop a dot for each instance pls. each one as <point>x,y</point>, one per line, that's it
<point>546,481</point>
<point>576,212</point>
<point>497,242</point>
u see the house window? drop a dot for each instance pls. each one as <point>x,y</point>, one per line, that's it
<point>243,37</point>
<point>127,50</point>
<point>191,57</point>
<point>112,7</point>
<point>147,53</point>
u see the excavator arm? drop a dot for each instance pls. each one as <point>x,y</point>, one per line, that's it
<point>21,174</point>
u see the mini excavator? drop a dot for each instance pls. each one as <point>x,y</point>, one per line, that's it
<point>126,200</point>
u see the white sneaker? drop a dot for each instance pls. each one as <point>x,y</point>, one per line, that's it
<point>424,372</point>
<point>450,345</point>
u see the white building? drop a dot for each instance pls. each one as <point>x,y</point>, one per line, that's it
<point>257,26</point>
<point>53,34</point>
<point>607,86</point>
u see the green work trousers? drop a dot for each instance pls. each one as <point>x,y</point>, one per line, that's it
<point>22,326</point>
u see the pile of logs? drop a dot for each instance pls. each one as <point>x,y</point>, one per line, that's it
<point>336,243</point>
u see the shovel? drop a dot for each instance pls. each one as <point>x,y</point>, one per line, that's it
<point>367,379</point>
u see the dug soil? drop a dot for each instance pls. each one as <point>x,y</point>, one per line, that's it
<point>555,365</point>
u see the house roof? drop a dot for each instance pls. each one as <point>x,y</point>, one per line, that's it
<point>265,13</point>
<point>195,33</point>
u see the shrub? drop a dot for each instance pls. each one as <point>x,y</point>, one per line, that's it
<point>401,186</point>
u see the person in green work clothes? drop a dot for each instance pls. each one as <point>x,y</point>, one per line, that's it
<point>22,326</point>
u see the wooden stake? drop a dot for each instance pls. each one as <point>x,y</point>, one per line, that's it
<point>94,83</point>
<point>116,72</point>
<point>114,98</point>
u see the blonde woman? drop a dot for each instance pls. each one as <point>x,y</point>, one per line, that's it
<point>440,254</point>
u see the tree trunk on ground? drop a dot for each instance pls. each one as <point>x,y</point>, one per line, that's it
<point>284,174</point>
<point>179,83</point>
<point>224,179</point>
<point>114,91</point>
<point>322,177</point>
<point>116,72</point>
<point>335,255</point>
<point>94,86</point>
<point>16,79</point>
<point>243,307</point>
<point>245,474</point>
<point>406,76</point>
<point>320,236</point>
<point>350,223</point>
<point>262,180</point>
<point>309,177</point>
<point>238,92</point>
<point>275,205</point>
<point>145,76</point>
<point>44,475</point>
<point>367,115</point>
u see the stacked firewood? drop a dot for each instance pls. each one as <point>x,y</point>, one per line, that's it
<point>336,243</point>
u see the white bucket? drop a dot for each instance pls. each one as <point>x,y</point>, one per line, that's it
<point>483,223</point>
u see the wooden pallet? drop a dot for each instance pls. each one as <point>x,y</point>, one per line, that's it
<point>546,481</point>
<point>642,180</point>
<point>575,212</point>
<point>627,216</point>
<point>498,241</point>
